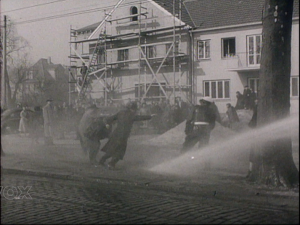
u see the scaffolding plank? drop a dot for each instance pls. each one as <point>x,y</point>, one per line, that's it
<point>106,17</point>
<point>126,17</point>
<point>129,34</point>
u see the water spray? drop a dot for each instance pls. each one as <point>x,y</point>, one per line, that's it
<point>193,160</point>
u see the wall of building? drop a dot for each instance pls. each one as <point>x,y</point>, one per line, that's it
<point>217,68</point>
<point>157,18</point>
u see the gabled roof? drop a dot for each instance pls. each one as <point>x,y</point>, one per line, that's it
<point>220,13</point>
<point>43,66</point>
<point>168,5</point>
<point>205,14</point>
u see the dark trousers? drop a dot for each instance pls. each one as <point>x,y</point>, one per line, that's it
<point>247,102</point>
<point>200,134</point>
<point>112,162</point>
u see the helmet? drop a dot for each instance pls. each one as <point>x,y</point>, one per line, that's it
<point>207,99</point>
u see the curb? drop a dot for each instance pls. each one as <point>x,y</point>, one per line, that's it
<point>187,191</point>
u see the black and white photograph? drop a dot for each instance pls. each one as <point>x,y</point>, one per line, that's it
<point>149,111</point>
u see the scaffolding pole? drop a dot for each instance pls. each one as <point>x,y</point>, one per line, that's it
<point>139,52</point>
<point>174,59</point>
<point>137,35</point>
<point>106,17</point>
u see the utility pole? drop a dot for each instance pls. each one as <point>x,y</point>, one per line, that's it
<point>3,72</point>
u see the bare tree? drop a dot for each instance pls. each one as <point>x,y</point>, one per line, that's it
<point>18,74</point>
<point>17,59</point>
<point>275,165</point>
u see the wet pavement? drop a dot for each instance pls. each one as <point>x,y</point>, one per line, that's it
<point>67,189</point>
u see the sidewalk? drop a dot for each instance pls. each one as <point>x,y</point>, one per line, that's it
<point>66,160</point>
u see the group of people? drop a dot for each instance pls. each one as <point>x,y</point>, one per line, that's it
<point>245,100</point>
<point>31,123</point>
<point>48,122</point>
<point>167,115</point>
<point>200,121</point>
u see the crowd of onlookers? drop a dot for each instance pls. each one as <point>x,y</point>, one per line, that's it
<point>165,115</point>
<point>65,118</point>
<point>245,100</point>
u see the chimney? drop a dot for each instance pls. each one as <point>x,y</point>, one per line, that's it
<point>49,60</point>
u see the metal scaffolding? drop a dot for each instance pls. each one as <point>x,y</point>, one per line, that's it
<point>105,71</point>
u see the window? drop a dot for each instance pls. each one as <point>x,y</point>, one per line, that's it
<point>149,51</point>
<point>100,53</point>
<point>134,11</point>
<point>228,47</point>
<point>254,44</point>
<point>123,55</point>
<point>29,75</point>
<point>91,48</point>
<point>294,86</point>
<point>171,51</point>
<point>218,89</point>
<point>253,84</point>
<point>154,91</point>
<point>204,49</point>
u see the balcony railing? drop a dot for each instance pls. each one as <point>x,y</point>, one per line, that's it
<point>243,61</point>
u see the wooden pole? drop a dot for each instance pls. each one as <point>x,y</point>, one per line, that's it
<point>3,77</point>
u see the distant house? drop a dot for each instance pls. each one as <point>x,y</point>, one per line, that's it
<point>45,80</point>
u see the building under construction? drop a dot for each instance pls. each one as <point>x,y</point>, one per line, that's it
<point>139,50</point>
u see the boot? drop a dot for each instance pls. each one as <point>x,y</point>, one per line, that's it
<point>112,163</point>
<point>102,162</point>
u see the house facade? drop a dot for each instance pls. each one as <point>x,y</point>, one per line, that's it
<point>45,80</point>
<point>143,54</point>
<point>227,49</point>
<point>210,48</point>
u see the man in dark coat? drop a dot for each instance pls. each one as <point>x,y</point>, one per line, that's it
<point>116,146</point>
<point>48,116</point>
<point>92,129</point>
<point>199,125</point>
<point>247,97</point>
<point>239,101</point>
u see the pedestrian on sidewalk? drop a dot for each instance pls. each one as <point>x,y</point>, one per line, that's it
<point>36,125</point>
<point>232,116</point>
<point>24,121</point>
<point>247,97</point>
<point>48,122</point>
<point>116,146</point>
<point>239,101</point>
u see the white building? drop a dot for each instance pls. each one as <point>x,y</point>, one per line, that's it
<point>227,48</point>
<point>217,46</point>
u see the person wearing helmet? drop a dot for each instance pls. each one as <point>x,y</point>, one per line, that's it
<point>116,146</point>
<point>199,125</point>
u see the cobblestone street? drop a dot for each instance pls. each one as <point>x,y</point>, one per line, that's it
<point>66,201</point>
<point>66,188</point>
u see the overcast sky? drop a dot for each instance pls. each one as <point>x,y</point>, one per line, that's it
<point>50,37</point>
